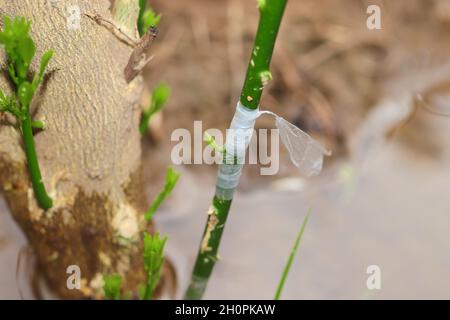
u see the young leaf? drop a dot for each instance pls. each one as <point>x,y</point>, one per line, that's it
<point>171,180</point>
<point>153,261</point>
<point>12,74</point>
<point>5,102</point>
<point>38,77</point>
<point>160,95</point>
<point>19,46</point>
<point>147,18</point>
<point>2,100</point>
<point>150,19</point>
<point>111,286</point>
<point>8,104</point>
<point>140,22</point>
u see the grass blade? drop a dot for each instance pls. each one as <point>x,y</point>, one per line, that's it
<point>294,250</point>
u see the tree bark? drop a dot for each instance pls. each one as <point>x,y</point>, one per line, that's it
<point>89,152</point>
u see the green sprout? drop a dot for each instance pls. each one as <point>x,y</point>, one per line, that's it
<point>261,4</point>
<point>111,286</point>
<point>210,141</point>
<point>294,250</point>
<point>160,95</point>
<point>153,250</point>
<point>147,18</point>
<point>20,50</point>
<point>171,180</point>
<point>153,262</point>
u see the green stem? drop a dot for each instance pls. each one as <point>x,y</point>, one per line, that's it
<point>271,13</point>
<point>44,201</point>
<point>206,259</point>
<point>148,293</point>
<point>145,119</point>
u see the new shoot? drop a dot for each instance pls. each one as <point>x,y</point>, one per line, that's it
<point>160,95</point>
<point>20,50</point>
<point>153,256</point>
<point>147,18</point>
<point>111,286</point>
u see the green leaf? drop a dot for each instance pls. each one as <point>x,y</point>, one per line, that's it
<point>12,74</point>
<point>38,77</point>
<point>153,262</point>
<point>140,22</point>
<point>147,18</point>
<point>171,180</point>
<point>111,287</point>
<point>8,104</point>
<point>26,50</point>
<point>160,95</point>
<point>3,101</point>
<point>150,19</point>
<point>18,44</point>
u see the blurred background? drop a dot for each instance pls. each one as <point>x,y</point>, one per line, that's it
<point>379,99</point>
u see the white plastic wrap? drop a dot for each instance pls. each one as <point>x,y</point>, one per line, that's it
<point>239,136</point>
<point>305,152</point>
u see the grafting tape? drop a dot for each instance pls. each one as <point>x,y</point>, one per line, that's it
<point>240,133</point>
<point>305,152</point>
<point>238,138</point>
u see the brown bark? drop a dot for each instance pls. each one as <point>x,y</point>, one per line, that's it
<point>89,152</point>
